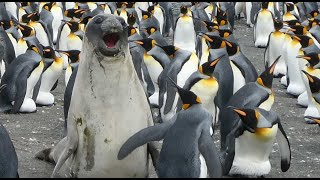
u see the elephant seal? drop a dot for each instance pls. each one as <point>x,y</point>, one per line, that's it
<point>108,105</point>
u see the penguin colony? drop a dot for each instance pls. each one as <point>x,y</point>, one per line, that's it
<point>199,83</point>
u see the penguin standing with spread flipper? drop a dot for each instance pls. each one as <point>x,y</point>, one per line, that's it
<point>192,153</point>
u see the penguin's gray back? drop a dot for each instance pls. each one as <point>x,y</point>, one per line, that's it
<point>8,156</point>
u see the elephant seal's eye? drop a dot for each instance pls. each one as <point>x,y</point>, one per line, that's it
<point>98,20</point>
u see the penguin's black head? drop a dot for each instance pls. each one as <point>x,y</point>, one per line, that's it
<point>47,6</point>
<point>150,30</point>
<point>169,50</point>
<point>121,4</point>
<point>232,48</point>
<point>73,55</point>
<point>26,18</point>
<point>34,48</point>
<point>292,22</point>
<point>290,6</point>
<point>48,52</point>
<point>131,30</point>
<point>147,43</point>
<point>264,5</point>
<point>278,24</point>
<point>314,13</point>
<point>35,16</point>
<point>6,24</point>
<point>188,98</point>
<point>313,22</point>
<point>183,9</point>
<point>249,118</point>
<point>145,14</point>
<point>214,42</point>
<point>207,68</point>
<point>312,58</point>
<point>73,25</point>
<point>304,40</point>
<point>26,30</point>
<point>85,20</point>
<point>151,9</point>
<point>108,34</point>
<point>225,33</point>
<point>131,19</point>
<point>211,25</point>
<point>77,13</point>
<point>299,29</point>
<point>130,4</point>
<point>222,20</point>
<point>266,77</point>
<point>23,4</point>
<point>314,82</point>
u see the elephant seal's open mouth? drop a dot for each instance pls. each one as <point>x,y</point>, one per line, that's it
<point>108,35</point>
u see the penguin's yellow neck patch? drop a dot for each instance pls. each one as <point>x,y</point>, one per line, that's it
<point>210,82</point>
<point>185,106</point>
<point>266,133</point>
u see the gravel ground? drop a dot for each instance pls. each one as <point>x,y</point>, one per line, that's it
<point>33,132</point>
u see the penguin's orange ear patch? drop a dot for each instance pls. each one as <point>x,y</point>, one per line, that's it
<point>257,114</point>
<point>185,106</point>
<point>242,113</point>
<point>198,99</point>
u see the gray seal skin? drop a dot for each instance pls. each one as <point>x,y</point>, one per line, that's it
<point>108,105</point>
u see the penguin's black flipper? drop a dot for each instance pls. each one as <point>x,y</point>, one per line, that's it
<point>284,148</point>
<point>210,154</point>
<point>153,133</point>
<point>21,90</point>
<point>36,89</point>
<point>147,79</point>
<point>154,153</point>
<point>54,86</point>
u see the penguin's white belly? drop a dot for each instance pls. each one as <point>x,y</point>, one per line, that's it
<point>207,91</point>
<point>172,112</point>
<point>154,69</point>
<point>49,77</point>
<point>3,67</point>
<point>239,80</point>
<point>67,75</point>
<point>204,55</point>
<point>263,28</point>
<point>267,104</point>
<point>74,42</point>
<point>58,16</point>
<point>252,152</point>
<point>21,47</point>
<point>184,34</point>
<point>274,50</point>
<point>203,167</point>
<point>248,11</point>
<point>107,10</point>
<point>21,13</point>
<point>123,14</point>
<point>63,37</point>
<point>28,104</point>
<point>41,34</point>
<point>295,65</point>
<point>209,10</point>
<point>187,69</point>
<point>159,15</point>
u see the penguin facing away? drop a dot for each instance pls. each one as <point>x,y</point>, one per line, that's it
<point>190,154</point>
<point>250,143</point>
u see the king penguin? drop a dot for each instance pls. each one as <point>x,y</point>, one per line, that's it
<point>191,154</point>
<point>273,50</point>
<point>73,58</point>
<point>50,75</point>
<point>252,95</point>
<point>155,34</point>
<point>263,26</point>
<point>204,85</point>
<point>42,32</point>
<point>74,39</point>
<point>159,14</point>
<point>22,82</point>
<point>184,36</point>
<point>251,141</point>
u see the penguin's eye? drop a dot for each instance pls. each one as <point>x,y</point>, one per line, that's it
<point>98,20</point>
